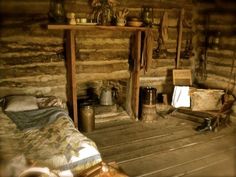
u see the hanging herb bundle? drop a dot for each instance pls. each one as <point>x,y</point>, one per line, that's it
<point>103,10</point>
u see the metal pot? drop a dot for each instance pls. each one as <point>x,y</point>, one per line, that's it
<point>106,97</point>
<point>149,96</point>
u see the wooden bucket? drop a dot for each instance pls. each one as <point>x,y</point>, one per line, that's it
<point>149,113</point>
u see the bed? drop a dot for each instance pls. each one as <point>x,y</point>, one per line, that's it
<point>37,132</point>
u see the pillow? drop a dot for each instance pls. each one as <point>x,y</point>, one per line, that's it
<point>20,103</point>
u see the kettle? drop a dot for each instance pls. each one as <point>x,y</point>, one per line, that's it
<point>106,97</point>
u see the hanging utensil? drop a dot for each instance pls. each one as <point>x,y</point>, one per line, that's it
<point>164,27</point>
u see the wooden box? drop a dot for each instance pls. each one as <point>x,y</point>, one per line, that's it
<point>182,77</point>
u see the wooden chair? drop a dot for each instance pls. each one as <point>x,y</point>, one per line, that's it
<point>221,117</point>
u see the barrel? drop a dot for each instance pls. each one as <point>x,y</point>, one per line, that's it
<point>87,118</point>
<point>149,104</point>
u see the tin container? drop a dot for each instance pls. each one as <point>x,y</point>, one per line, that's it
<point>87,118</point>
<point>106,97</point>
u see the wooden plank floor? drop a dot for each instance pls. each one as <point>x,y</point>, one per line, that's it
<point>167,147</point>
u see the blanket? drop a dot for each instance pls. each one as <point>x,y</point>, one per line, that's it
<point>52,142</point>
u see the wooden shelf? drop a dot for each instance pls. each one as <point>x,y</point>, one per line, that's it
<point>71,64</point>
<point>94,27</point>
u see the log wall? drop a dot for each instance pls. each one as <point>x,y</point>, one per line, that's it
<point>32,58</point>
<point>214,17</point>
<point>221,18</point>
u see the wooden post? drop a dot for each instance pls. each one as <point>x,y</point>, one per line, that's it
<point>71,75</point>
<point>136,74</point>
<point>180,29</point>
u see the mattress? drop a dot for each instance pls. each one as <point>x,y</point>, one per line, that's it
<point>53,143</point>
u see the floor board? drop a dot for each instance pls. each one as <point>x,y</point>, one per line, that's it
<point>168,147</point>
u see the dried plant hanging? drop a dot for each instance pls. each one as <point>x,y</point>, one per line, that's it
<point>103,11</point>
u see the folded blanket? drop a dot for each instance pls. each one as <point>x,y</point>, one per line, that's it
<point>36,118</point>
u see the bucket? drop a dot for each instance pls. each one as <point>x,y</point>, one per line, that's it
<point>87,117</point>
<point>149,113</point>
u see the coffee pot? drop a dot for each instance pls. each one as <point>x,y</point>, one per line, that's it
<point>106,96</point>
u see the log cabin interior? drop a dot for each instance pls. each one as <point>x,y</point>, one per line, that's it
<point>150,85</point>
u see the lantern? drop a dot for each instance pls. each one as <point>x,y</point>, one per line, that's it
<point>57,11</point>
<point>215,41</point>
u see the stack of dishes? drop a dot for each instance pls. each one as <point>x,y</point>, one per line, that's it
<point>134,22</point>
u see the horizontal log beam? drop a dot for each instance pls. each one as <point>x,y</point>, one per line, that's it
<point>107,68</point>
<point>116,75</point>
<point>58,91</point>
<point>219,70</point>
<point>218,82</point>
<point>102,55</point>
<point>105,43</point>
<point>27,60</point>
<point>225,62</point>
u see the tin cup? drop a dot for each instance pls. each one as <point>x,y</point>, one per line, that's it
<point>83,20</point>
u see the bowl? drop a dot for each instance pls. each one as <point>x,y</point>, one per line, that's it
<point>135,23</point>
<point>133,19</point>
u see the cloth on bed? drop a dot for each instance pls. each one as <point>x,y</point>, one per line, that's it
<point>53,143</point>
